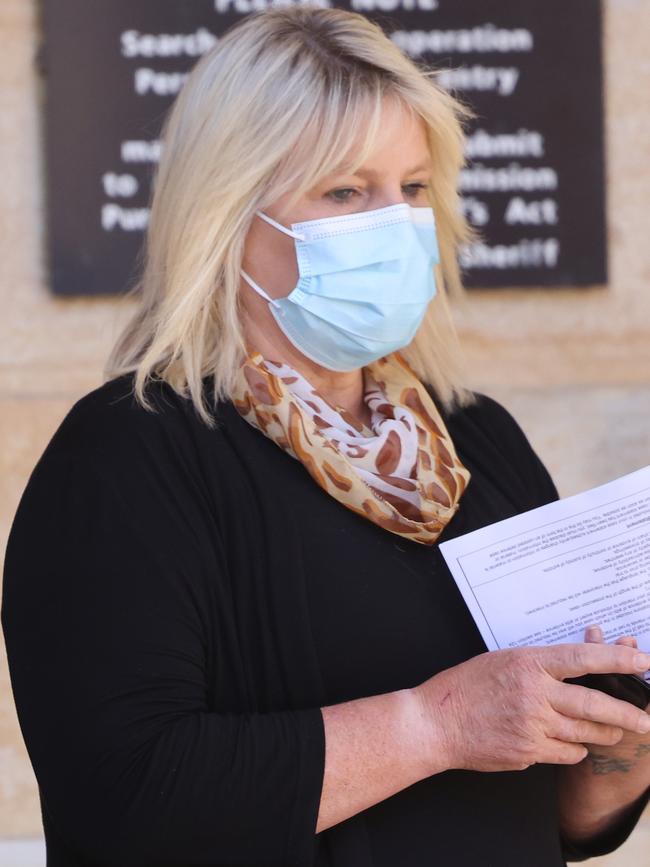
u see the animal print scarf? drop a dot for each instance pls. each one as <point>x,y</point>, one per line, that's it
<point>402,472</point>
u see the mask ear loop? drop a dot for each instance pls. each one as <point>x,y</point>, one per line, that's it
<point>280,226</point>
<point>249,279</point>
<point>258,289</point>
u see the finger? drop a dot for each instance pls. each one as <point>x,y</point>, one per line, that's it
<point>594,634</point>
<point>581,703</point>
<point>557,752</point>
<point>582,731</point>
<point>627,640</point>
<point>574,660</point>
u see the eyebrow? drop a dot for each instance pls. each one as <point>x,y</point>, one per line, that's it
<point>372,173</point>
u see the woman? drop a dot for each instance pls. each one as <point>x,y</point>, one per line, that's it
<point>231,636</point>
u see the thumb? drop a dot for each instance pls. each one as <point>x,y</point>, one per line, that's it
<point>594,635</point>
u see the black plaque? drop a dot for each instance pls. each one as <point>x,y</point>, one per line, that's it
<point>532,72</point>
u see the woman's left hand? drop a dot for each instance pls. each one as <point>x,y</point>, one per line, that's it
<point>599,793</point>
<point>631,746</point>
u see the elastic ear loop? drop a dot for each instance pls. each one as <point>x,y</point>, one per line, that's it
<point>249,279</point>
<point>280,226</point>
<point>258,289</point>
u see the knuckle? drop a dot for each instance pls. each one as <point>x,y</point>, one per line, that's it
<point>516,678</point>
<point>577,756</point>
<point>528,705</point>
<point>518,670</point>
<point>582,731</point>
<point>596,733</point>
<point>624,655</point>
<point>590,703</point>
<point>578,655</point>
<point>564,730</point>
<point>625,718</point>
<point>614,735</point>
<point>561,757</point>
<point>554,755</point>
<point>528,755</point>
<point>571,755</point>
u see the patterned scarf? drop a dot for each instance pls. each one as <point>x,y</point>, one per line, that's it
<point>402,472</point>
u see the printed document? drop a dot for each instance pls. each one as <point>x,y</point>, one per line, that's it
<point>543,576</point>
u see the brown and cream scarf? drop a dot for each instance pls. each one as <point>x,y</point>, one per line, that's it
<point>402,472</point>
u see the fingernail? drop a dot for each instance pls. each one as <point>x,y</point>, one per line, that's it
<point>642,661</point>
<point>644,725</point>
<point>594,633</point>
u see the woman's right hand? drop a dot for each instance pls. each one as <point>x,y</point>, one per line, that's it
<point>508,709</point>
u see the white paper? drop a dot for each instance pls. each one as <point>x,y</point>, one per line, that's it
<point>543,576</point>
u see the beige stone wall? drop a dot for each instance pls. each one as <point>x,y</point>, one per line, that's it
<point>572,366</point>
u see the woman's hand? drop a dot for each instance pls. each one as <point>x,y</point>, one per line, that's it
<point>509,709</point>
<point>632,745</point>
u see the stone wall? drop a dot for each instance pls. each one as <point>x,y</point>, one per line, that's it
<point>572,365</point>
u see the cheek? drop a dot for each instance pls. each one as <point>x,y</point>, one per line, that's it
<point>254,245</point>
<point>270,259</point>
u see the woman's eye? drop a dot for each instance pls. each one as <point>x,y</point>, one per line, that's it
<point>412,190</point>
<point>342,195</point>
<point>345,194</point>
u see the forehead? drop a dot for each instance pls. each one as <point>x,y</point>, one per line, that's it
<point>400,143</point>
<point>376,136</point>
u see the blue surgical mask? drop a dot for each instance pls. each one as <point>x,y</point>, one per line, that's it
<point>365,282</point>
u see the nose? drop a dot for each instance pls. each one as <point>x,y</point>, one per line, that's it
<point>389,194</point>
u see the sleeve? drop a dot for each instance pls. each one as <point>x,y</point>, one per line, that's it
<point>113,562</point>
<point>529,474</point>
<point>609,840</point>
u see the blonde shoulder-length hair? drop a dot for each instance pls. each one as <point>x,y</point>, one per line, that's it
<point>271,110</point>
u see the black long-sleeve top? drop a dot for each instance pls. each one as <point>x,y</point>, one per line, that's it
<point>180,602</point>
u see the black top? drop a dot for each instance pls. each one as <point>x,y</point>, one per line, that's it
<point>178,604</point>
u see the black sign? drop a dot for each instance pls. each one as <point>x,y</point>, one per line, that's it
<point>531,70</point>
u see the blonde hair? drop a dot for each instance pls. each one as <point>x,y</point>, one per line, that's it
<point>271,110</point>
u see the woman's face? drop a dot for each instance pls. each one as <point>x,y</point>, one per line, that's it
<point>397,170</point>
